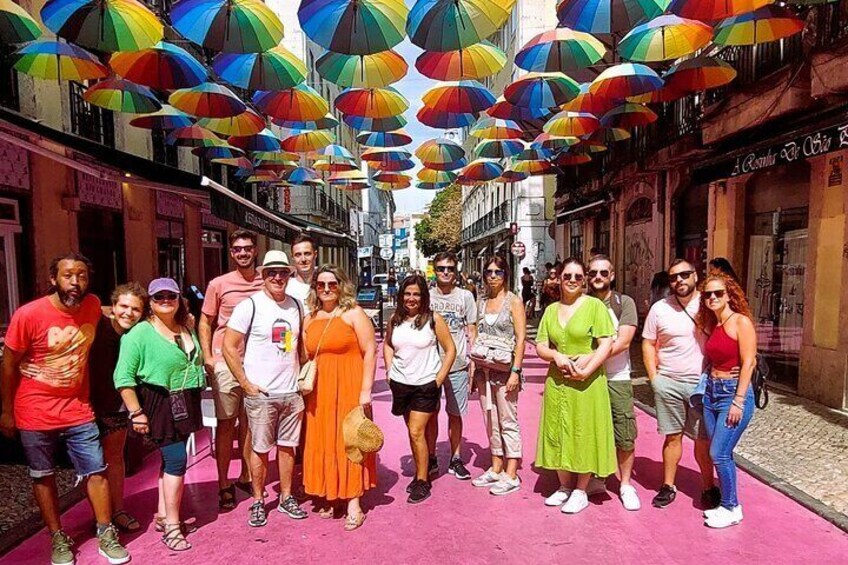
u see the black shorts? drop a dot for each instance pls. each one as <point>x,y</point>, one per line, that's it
<point>421,398</point>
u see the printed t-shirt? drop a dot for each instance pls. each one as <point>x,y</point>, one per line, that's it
<point>680,344</point>
<point>223,294</point>
<point>618,366</point>
<point>459,310</point>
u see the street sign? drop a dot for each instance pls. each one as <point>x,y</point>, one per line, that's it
<point>387,253</point>
<point>365,252</point>
<point>518,249</point>
<point>387,240</point>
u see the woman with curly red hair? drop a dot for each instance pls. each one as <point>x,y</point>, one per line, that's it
<point>731,352</point>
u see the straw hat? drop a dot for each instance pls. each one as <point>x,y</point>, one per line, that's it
<point>361,435</point>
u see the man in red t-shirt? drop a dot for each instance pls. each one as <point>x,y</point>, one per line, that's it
<point>45,397</point>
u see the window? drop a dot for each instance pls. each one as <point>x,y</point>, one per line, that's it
<point>90,121</point>
<point>576,240</point>
<point>164,153</point>
<point>8,81</point>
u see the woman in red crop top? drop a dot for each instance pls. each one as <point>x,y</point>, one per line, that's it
<point>731,351</point>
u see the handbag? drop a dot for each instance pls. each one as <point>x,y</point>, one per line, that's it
<point>493,352</point>
<point>306,378</point>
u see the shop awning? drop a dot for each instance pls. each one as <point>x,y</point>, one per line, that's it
<point>580,209</point>
<point>500,246</point>
<point>482,252</point>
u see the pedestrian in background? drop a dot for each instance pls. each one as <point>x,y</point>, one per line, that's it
<point>550,286</point>
<point>528,295</point>
<point>576,431</point>
<point>391,286</point>
<point>721,266</point>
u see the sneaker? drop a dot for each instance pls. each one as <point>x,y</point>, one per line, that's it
<point>62,554</point>
<point>487,479</point>
<point>723,518</point>
<point>420,492</point>
<point>411,484</point>
<point>711,497</point>
<point>559,497</point>
<point>709,512</point>
<point>505,486</point>
<point>111,548</point>
<point>258,516</point>
<point>291,507</point>
<point>578,501</point>
<point>596,487</point>
<point>665,497</point>
<point>433,466</point>
<point>458,470</point>
<point>629,498</point>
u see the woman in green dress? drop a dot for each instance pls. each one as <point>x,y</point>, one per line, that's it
<point>575,432</point>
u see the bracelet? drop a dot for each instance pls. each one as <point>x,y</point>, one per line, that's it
<point>740,407</point>
<point>135,413</point>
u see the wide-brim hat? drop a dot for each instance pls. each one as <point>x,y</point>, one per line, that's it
<point>275,260</point>
<point>361,435</point>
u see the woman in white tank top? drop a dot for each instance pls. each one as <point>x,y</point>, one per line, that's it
<point>416,371</point>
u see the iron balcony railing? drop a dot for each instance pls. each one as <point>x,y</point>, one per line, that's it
<point>88,121</point>
<point>495,220</point>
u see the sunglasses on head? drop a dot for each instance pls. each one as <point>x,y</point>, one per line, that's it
<point>445,269</point>
<point>332,285</point>
<point>240,248</point>
<point>495,273</point>
<point>681,276</point>
<point>572,276</point>
<point>165,296</point>
<point>603,272</point>
<point>717,293</point>
<point>277,273</point>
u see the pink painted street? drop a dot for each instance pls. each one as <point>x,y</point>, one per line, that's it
<point>461,524</point>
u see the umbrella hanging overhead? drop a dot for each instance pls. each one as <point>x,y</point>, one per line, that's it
<point>588,102</point>
<point>238,162</point>
<point>607,16</point>
<point>449,166</point>
<point>232,26</point>
<point>435,151</point>
<point>246,123</point>
<point>666,93</point>
<point>533,168</point>
<point>434,176</point>
<point>560,50</point>
<point>329,121</point>
<point>335,165</point>
<point>498,149</point>
<point>397,138</point>
<point>274,69</point>
<point>219,152</point>
<point>534,154</point>
<point>302,176</point>
<point>371,102</point>
<point>397,166</point>
<point>262,176</point>
<point>301,103</point>
<point>306,141</point>
<point>664,38</point>
<point>163,67</point>
<point>431,186</point>
<point>274,157</point>
<point>194,136</point>
<point>572,124</point>
<point>571,159</point>
<point>548,142</point>
<point>265,140</point>
<point>763,25</point>
<point>472,63</point>
<point>16,25</point>
<point>481,170</point>
<point>506,111</point>
<point>385,155</point>
<point>167,118</point>
<point>333,151</point>
<point>512,176</point>
<point>354,27</point>
<point>713,10</point>
<point>57,60</point>
<point>699,73</point>
<point>449,25</point>
<point>208,100</point>
<point>397,179</point>
<point>542,90</point>
<point>362,71</point>
<point>460,97</point>
<point>374,124</point>
<point>608,136</point>
<point>121,95</point>
<point>494,128</point>
<point>103,25</point>
<point>444,120</point>
<point>627,79</point>
<point>628,116</point>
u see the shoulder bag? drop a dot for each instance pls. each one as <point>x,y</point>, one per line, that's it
<point>306,379</point>
<point>490,351</point>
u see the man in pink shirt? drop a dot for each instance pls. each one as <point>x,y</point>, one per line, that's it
<point>222,296</point>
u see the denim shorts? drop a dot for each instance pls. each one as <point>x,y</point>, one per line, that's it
<point>456,393</point>
<point>82,443</point>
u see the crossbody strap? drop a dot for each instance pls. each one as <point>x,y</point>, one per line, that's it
<point>326,327</point>
<point>688,315</point>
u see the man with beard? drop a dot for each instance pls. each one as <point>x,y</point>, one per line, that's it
<point>222,296</point>
<point>304,253</point>
<point>672,348</point>
<point>45,394</point>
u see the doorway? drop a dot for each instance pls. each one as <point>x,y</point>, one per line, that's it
<point>101,239</point>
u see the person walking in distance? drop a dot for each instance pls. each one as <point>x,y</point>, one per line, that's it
<point>45,396</point>
<point>456,305</point>
<point>528,296</point>
<point>268,327</point>
<point>672,349</point>
<point>622,310</point>
<point>304,254</point>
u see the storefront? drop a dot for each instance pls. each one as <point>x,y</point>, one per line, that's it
<point>691,209</point>
<point>170,236</point>
<point>214,238</point>
<point>15,246</point>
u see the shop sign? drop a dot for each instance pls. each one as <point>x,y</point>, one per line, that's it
<point>834,176</point>
<point>103,193</point>
<point>210,220</point>
<point>169,205</point>
<point>242,216</point>
<point>365,252</point>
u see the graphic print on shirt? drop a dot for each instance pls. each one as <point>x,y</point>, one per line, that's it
<point>282,335</point>
<point>63,366</point>
<point>452,315</point>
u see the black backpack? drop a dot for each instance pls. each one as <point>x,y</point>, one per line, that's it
<point>759,382</point>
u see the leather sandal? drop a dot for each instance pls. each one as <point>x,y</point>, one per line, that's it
<point>125,522</point>
<point>352,522</point>
<point>186,528</point>
<point>227,497</point>
<point>174,538</point>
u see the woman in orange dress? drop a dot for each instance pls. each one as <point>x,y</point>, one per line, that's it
<point>343,336</point>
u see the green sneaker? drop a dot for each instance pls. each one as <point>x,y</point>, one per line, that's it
<point>111,548</point>
<point>62,554</point>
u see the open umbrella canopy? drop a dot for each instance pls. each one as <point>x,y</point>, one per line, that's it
<point>506,111</point>
<point>444,120</point>
<point>362,71</point>
<point>434,176</point>
<point>607,16</point>
<point>396,166</point>
<point>194,136</point>
<point>533,168</point>
<point>460,97</point>
<point>396,179</point>
<point>627,116</point>
<point>699,73</point>
<point>551,143</point>
<point>449,166</point>
<point>481,170</point>
<point>306,141</point>
<point>57,60</point>
<point>472,63</point>
<point>360,123</point>
<point>333,151</point>
<point>329,121</point>
<point>763,25</point>
<point>627,79</point>
<point>666,93</point>
<point>246,123</point>
<point>495,128</point>
<point>449,25</point>
<point>542,90</point>
<point>397,138</point>
<point>713,10</point>
<point>335,165</point>
<point>385,155</point>
<point>354,27</point>
<point>224,151</point>
<point>534,154</point>
<point>607,136</point>
<point>121,95</point>
<point>572,124</point>
<point>559,50</point>
<point>163,67</point>
<point>262,157</point>
<point>588,102</point>
<point>571,159</point>
<point>262,176</point>
<point>167,118</point>
<point>238,162</point>
<point>274,69</point>
<point>208,100</point>
<point>431,186</point>
<point>103,25</point>
<point>512,176</point>
<point>265,140</point>
<point>372,102</point>
<point>498,149</point>
<point>16,25</point>
<point>299,103</point>
<point>301,176</point>
<point>232,26</point>
<point>439,151</point>
<point>664,38</point>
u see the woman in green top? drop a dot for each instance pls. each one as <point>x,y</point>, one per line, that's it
<point>160,378</point>
<point>575,433</point>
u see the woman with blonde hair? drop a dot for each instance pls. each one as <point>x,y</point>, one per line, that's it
<point>340,337</point>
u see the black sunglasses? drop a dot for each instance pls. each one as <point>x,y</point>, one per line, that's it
<point>603,272</point>
<point>681,276</point>
<point>164,296</point>
<point>492,273</point>
<point>572,276</point>
<point>717,293</point>
<point>240,248</point>
<point>274,273</point>
<point>445,269</point>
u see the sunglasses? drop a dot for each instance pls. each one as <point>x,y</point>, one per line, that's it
<point>332,285</point>
<point>277,273</point>
<point>572,277</point>
<point>164,296</point>
<point>681,276</point>
<point>717,293</point>
<point>603,272</point>
<point>240,248</point>
<point>495,273</point>
<point>445,269</point>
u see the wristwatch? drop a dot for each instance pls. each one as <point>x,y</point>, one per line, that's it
<point>516,370</point>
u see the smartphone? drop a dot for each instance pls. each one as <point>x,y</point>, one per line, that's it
<point>179,409</point>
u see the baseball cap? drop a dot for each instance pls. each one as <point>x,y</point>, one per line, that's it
<point>158,285</point>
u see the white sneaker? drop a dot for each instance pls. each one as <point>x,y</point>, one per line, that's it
<point>559,497</point>
<point>723,518</point>
<point>596,487</point>
<point>710,511</point>
<point>505,486</point>
<point>576,502</point>
<point>629,498</point>
<point>487,479</point>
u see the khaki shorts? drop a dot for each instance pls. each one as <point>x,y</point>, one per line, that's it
<point>674,413</point>
<point>623,417</point>
<point>227,393</point>
<point>274,419</point>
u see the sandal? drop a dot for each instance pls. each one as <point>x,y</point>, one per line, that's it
<point>227,497</point>
<point>327,512</point>
<point>353,522</point>
<point>125,522</point>
<point>186,528</point>
<point>174,538</point>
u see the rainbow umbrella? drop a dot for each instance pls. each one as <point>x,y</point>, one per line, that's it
<point>246,123</point>
<point>627,116</point>
<point>385,155</point>
<point>512,176</point>
<point>533,168</point>
<point>588,102</point>
<point>265,140</point>
<point>371,102</point>
<point>559,50</point>
<point>306,141</point>
<point>232,26</point>
<point>274,157</point>
<point>623,80</point>
<point>472,63</point>
<point>506,111</point>
<point>572,124</point>
<point>391,181</point>
<point>444,120</point>
<point>588,145</point>
<point>301,103</point>
<point>700,73</point>
<point>374,124</point>
<point>275,69</point>
<point>194,136</point>
<point>103,25</point>
<point>664,38</point>
<point>608,136</point>
<point>607,16</point>
<point>498,148</point>
<point>571,159</point>
<point>494,128</point>
<point>333,151</point>
<point>665,94</point>
<point>542,90</point>
<point>460,97</point>
<point>262,176</point>
<point>713,10</point>
<point>362,71</point>
<point>397,166</point>
<point>167,118</point>
<point>450,25</point>
<point>534,154</point>
<point>552,143</point>
<point>212,152</point>
<point>342,177</point>
<point>208,100</point>
<point>397,138</point>
<point>238,162</point>
<point>434,176</point>
<point>57,60</point>
<point>329,121</point>
<point>301,176</point>
<point>481,170</point>
<point>449,166</point>
<point>163,67</point>
<point>763,25</point>
<point>439,151</point>
<point>354,27</point>
<point>121,95</point>
<point>430,186</point>
<point>335,165</point>
<point>278,168</point>
<point>16,25</point>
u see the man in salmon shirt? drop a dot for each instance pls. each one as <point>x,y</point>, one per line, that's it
<point>45,397</point>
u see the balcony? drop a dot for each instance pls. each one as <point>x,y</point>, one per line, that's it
<point>88,121</point>
<point>497,219</point>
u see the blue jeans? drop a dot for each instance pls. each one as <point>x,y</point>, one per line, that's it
<point>82,443</point>
<point>723,438</point>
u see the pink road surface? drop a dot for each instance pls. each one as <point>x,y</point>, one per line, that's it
<point>462,524</point>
